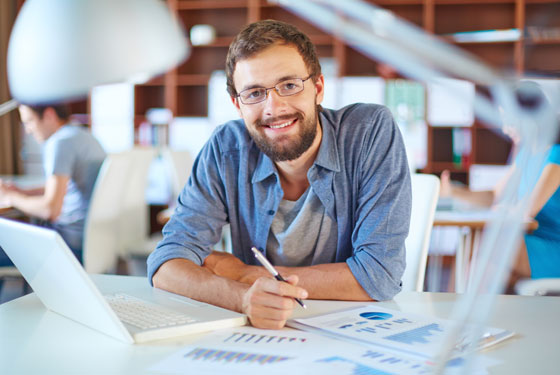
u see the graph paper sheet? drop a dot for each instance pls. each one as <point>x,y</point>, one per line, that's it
<point>247,350</point>
<point>411,334</point>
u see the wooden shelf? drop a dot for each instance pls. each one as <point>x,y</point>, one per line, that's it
<point>193,79</point>
<point>210,4</point>
<point>542,41</point>
<point>184,90</point>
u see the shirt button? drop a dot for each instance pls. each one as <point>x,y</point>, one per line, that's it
<point>271,212</point>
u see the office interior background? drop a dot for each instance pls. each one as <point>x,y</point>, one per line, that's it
<point>180,109</point>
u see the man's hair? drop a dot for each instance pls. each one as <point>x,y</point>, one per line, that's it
<point>63,111</point>
<point>260,35</point>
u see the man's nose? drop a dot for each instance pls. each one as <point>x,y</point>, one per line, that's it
<point>273,101</point>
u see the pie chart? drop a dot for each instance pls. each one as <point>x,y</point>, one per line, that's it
<point>376,315</point>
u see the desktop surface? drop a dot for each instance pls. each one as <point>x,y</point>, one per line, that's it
<point>34,340</point>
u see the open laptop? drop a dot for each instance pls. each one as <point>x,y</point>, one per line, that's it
<point>134,315</point>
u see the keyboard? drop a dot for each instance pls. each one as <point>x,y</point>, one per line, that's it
<point>143,314</point>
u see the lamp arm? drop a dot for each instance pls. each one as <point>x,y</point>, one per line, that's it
<point>8,106</point>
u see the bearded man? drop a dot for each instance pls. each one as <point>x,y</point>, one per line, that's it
<point>324,194</point>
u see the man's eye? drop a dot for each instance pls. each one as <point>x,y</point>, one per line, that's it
<point>288,86</point>
<point>254,94</point>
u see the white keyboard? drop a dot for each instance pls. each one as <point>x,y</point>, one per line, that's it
<point>143,314</point>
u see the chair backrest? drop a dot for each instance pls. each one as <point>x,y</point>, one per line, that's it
<point>180,165</point>
<point>134,217</point>
<point>425,191</point>
<point>101,232</point>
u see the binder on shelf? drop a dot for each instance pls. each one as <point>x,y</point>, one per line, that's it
<point>486,36</point>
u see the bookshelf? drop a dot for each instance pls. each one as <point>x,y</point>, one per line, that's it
<point>184,90</point>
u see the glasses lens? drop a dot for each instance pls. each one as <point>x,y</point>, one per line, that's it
<point>289,87</point>
<point>252,96</point>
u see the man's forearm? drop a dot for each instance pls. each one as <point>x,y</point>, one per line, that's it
<point>481,198</point>
<point>332,281</point>
<point>183,277</point>
<point>37,206</point>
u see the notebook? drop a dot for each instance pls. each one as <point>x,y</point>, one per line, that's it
<point>63,286</point>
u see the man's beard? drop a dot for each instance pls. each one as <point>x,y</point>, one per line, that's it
<point>278,150</point>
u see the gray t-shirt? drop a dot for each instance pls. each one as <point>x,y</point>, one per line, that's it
<point>73,152</point>
<point>301,233</point>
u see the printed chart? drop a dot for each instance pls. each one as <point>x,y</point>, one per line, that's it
<point>410,334</point>
<point>254,338</point>
<point>227,356</point>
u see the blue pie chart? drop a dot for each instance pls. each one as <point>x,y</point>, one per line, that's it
<point>376,315</point>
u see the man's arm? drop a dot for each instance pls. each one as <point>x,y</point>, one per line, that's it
<point>323,281</point>
<point>268,303</point>
<point>45,206</point>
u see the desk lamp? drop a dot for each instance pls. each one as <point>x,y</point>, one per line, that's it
<point>380,35</point>
<point>60,49</point>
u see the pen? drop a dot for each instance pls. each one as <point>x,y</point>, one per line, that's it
<point>272,270</point>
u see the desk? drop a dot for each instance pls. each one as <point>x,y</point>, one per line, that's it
<point>34,340</point>
<point>471,224</point>
<point>24,182</point>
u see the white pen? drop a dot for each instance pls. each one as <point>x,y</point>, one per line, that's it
<point>266,264</point>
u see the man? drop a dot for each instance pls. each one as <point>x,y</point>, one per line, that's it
<point>71,160</point>
<point>325,194</point>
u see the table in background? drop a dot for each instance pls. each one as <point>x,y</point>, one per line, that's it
<point>471,224</point>
<point>24,182</point>
<point>34,340</point>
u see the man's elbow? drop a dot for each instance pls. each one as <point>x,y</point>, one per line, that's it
<point>53,211</point>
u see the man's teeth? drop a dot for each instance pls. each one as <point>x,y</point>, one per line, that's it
<point>280,126</point>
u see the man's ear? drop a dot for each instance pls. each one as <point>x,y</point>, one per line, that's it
<point>235,101</point>
<point>319,88</point>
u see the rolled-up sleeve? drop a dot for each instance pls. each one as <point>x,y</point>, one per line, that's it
<point>382,214</point>
<point>199,217</point>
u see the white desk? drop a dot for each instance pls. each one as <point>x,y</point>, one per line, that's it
<point>471,224</point>
<point>36,341</point>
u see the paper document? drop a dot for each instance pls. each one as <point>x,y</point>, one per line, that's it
<point>247,350</point>
<point>411,334</point>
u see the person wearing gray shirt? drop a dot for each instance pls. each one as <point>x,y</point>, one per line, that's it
<point>71,159</point>
<point>324,194</point>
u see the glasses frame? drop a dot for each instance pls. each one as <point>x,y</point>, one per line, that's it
<point>275,88</point>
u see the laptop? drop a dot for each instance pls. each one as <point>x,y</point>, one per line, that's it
<point>134,314</point>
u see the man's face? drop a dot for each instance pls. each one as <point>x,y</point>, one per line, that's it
<point>34,124</point>
<point>283,127</point>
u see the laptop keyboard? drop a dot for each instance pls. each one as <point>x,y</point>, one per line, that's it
<point>143,314</point>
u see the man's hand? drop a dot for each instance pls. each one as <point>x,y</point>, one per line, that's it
<point>269,303</point>
<point>445,188</point>
<point>6,188</point>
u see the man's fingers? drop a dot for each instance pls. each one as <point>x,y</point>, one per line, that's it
<point>281,288</point>
<point>269,303</point>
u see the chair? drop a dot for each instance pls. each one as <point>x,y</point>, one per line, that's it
<point>425,191</point>
<point>134,217</point>
<point>118,213</point>
<point>101,231</point>
<point>179,164</point>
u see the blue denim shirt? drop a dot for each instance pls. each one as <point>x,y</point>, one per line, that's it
<point>360,175</point>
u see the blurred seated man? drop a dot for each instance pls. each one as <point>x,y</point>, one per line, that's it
<point>539,254</point>
<point>71,159</point>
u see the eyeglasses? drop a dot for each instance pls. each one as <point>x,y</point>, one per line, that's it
<point>284,88</point>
